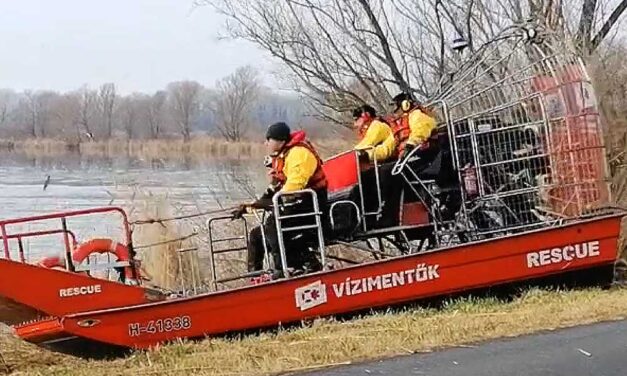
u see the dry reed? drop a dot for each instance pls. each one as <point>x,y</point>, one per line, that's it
<point>198,148</point>
<point>168,262</point>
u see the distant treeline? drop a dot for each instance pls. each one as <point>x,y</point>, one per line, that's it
<point>236,108</point>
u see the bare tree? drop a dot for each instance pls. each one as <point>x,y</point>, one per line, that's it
<point>6,99</point>
<point>129,114</point>
<point>87,102</point>
<point>155,113</point>
<point>35,112</point>
<point>29,112</point>
<point>67,112</point>
<point>184,104</point>
<point>106,105</point>
<point>333,47</point>
<point>234,99</point>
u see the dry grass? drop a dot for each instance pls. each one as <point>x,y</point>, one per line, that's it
<point>163,262</point>
<point>199,148</point>
<point>328,342</point>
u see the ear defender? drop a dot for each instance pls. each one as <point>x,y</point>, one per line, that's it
<point>405,105</point>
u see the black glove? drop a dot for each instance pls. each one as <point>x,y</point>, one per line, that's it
<point>272,189</point>
<point>362,155</point>
<point>262,203</point>
<point>240,211</point>
<point>408,149</point>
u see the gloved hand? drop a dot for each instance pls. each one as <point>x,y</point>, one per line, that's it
<point>267,161</point>
<point>362,155</point>
<point>240,211</point>
<point>408,149</point>
<point>262,203</point>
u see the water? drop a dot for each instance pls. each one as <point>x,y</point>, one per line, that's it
<point>78,183</point>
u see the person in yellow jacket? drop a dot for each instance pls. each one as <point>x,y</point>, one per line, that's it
<point>295,165</point>
<point>411,127</point>
<point>372,131</point>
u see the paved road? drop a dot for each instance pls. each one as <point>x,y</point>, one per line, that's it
<point>595,350</point>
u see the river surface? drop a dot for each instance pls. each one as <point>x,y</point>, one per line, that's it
<point>77,183</point>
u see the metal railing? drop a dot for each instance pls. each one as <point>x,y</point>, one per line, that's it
<point>316,213</point>
<point>70,240</point>
<point>213,252</point>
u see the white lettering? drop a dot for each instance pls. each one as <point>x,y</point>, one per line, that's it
<point>421,273</point>
<point>78,291</point>
<point>593,248</point>
<point>356,288</point>
<point>567,253</point>
<point>386,280</point>
<point>533,260</point>
<point>545,257</point>
<point>338,289</point>
<point>398,279</point>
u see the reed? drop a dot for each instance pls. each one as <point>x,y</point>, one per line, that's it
<point>164,248</point>
<point>198,148</point>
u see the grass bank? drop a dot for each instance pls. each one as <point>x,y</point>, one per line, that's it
<point>328,342</point>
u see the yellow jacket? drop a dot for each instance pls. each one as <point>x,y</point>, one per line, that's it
<point>376,134</point>
<point>300,165</point>
<point>383,151</point>
<point>420,127</point>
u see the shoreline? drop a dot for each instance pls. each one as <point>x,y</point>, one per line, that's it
<point>168,148</point>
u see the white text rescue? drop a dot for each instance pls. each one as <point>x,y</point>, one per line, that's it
<point>568,253</point>
<point>78,291</point>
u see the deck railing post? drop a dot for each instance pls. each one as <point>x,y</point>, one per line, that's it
<point>69,264</point>
<point>5,242</point>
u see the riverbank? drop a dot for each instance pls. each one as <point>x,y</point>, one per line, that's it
<point>329,342</point>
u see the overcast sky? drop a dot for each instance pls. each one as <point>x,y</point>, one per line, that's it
<point>140,45</point>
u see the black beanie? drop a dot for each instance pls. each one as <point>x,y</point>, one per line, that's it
<point>278,131</point>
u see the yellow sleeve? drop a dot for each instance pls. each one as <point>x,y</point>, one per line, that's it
<point>300,165</point>
<point>383,151</point>
<point>377,132</point>
<point>420,127</point>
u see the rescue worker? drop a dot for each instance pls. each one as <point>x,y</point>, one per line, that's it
<point>413,127</point>
<point>372,130</point>
<point>295,165</point>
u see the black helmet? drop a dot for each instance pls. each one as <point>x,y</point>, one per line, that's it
<point>398,100</point>
<point>278,131</point>
<point>364,109</point>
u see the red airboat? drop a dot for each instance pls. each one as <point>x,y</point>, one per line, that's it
<point>517,192</point>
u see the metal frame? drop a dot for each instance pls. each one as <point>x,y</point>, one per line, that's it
<point>212,251</point>
<point>522,67</point>
<point>62,216</point>
<point>362,205</point>
<point>318,226</point>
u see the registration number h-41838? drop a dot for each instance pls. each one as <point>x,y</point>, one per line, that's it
<point>165,325</point>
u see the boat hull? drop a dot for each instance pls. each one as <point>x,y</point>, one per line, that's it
<point>57,292</point>
<point>580,246</point>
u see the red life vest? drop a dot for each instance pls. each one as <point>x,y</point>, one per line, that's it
<point>402,131</point>
<point>318,181</point>
<point>362,128</point>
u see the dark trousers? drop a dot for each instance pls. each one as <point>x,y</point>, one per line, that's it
<point>296,242</point>
<point>393,186</point>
